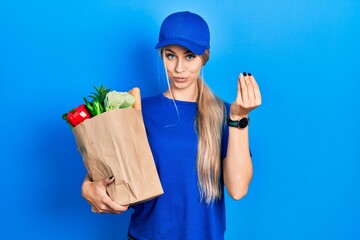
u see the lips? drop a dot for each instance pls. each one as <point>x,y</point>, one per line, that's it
<point>180,79</point>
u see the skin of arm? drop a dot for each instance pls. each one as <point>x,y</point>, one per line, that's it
<point>95,194</point>
<point>237,166</point>
<point>183,68</point>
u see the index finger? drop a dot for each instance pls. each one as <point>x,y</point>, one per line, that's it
<point>115,207</point>
<point>239,94</point>
<point>243,89</point>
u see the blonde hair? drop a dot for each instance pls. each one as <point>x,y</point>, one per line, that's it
<point>209,120</point>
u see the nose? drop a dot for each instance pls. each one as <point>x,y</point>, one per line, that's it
<point>179,67</point>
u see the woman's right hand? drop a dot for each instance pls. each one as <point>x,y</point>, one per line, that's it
<point>95,194</point>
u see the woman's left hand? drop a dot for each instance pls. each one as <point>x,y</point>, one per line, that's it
<point>248,97</point>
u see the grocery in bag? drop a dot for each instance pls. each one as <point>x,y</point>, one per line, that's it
<point>113,142</point>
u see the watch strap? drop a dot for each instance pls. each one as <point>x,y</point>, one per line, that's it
<point>241,123</point>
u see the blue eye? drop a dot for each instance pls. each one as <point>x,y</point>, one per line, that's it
<point>190,57</point>
<point>170,56</point>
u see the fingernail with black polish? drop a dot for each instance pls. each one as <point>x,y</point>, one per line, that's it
<point>244,74</point>
<point>249,74</point>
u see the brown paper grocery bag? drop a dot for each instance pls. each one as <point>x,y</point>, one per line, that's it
<point>114,143</point>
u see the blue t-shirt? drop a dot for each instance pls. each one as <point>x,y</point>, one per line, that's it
<point>177,214</point>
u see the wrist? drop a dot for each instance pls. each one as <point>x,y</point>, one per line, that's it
<point>236,117</point>
<point>237,112</point>
<point>240,123</point>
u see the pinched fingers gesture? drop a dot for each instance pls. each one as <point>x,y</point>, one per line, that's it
<point>248,96</point>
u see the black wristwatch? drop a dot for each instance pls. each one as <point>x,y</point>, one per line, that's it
<point>242,123</point>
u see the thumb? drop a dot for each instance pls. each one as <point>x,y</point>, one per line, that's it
<point>108,181</point>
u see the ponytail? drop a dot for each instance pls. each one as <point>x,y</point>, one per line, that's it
<point>209,120</point>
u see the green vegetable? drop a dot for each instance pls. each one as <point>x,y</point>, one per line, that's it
<point>100,94</point>
<point>116,100</point>
<point>96,106</point>
<point>89,105</point>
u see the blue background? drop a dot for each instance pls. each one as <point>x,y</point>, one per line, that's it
<point>304,138</point>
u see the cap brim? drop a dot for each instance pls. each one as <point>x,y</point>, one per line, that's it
<point>195,48</point>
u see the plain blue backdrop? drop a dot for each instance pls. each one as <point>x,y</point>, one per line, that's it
<point>304,138</point>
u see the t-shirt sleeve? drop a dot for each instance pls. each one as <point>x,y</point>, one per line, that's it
<point>225,132</point>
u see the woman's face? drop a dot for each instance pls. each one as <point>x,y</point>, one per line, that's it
<point>182,66</point>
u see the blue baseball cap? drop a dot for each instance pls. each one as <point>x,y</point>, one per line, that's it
<point>185,29</point>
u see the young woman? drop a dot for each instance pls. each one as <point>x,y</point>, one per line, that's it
<point>200,144</point>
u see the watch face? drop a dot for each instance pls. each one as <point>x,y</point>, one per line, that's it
<point>243,122</point>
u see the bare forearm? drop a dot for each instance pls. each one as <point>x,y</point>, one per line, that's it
<point>238,164</point>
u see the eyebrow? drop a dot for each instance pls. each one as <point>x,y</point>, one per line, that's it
<point>167,49</point>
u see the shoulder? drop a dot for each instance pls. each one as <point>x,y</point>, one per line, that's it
<point>151,104</point>
<point>152,101</point>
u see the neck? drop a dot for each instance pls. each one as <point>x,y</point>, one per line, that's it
<point>182,94</point>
